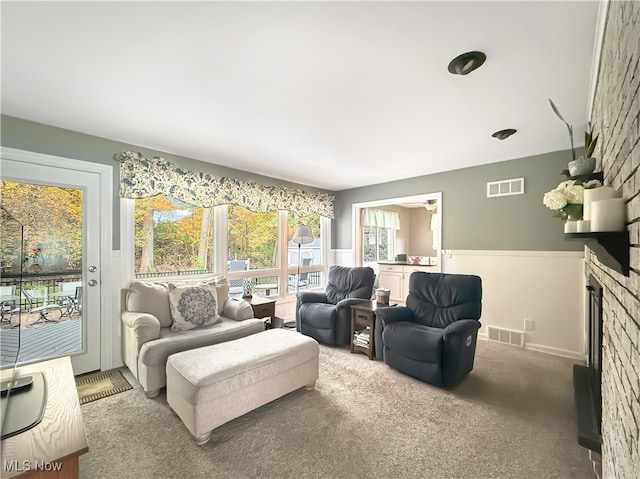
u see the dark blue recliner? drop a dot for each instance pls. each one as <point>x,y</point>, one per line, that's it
<point>434,337</point>
<point>326,317</point>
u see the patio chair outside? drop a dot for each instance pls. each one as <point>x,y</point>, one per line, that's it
<point>7,307</point>
<point>35,296</point>
<point>69,301</point>
<point>304,277</point>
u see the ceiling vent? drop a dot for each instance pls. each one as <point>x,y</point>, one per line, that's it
<point>466,63</point>
<point>514,186</point>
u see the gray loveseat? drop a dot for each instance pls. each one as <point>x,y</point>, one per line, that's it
<point>147,338</point>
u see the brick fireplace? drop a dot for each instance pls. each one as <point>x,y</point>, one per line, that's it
<point>587,379</point>
<point>616,117</point>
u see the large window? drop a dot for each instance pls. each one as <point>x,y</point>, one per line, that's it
<point>377,243</point>
<point>307,257</point>
<point>252,238</point>
<point>172,238</point>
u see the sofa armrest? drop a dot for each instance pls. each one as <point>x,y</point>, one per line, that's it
<point>145,326</point>
<point>238,310</point>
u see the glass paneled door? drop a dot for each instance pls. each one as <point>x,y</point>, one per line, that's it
<point>60,294</point>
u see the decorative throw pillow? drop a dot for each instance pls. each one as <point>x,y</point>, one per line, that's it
<point>193,306</point>
<point>220,282</point>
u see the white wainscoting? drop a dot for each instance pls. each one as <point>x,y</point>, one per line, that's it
<point>547,287</point>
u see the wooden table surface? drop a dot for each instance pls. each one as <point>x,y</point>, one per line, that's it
<point>60,437</point>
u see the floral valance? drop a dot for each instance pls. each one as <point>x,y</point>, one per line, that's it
<point>142,177</point>
<point>379,218</point>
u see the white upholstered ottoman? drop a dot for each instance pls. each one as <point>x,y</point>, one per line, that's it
<point>209,386</point>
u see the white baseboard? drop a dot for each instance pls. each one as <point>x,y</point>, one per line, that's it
<point>555,351</point>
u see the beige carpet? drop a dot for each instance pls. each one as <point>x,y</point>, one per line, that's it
<point>99,385</point>
<point>511,418</point>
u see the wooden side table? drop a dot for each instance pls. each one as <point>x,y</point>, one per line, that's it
<point>363,324</point>
<point>51,449</point>
<point>263,308</point>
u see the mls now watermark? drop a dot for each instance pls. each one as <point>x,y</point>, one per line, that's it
<point>27,466</point>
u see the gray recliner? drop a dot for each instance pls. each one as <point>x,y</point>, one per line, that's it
<point>433,338</point>
<point>326,317</point>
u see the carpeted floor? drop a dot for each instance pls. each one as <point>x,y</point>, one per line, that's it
<point>511,418</point>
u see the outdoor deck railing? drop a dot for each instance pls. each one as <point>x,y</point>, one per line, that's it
<point>45,280</point>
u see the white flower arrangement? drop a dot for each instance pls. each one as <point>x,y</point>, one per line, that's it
<point>567,199</point>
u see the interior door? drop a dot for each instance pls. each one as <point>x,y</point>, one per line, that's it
<point>71,321</point>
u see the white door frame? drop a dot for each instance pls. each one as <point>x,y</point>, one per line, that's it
<point>106,224</point>
<point>356,237</point>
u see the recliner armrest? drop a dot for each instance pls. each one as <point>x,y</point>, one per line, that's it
<point>460,328</point>
<point>311,297</point>
<point>393,314</point>
<point>145,326</point>
<point>348,302</point>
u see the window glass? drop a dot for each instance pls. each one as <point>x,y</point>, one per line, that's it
<point>252,239</point>
<point>376,244</point>
<point>172,238</point>
<point>310,253</point>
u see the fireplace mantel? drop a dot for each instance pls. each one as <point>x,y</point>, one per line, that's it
<point>611,248</point>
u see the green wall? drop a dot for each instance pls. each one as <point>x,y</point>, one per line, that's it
<point>471,221</point>
<point>40,138</point>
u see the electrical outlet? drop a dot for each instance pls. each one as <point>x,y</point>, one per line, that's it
<point>528,324</point>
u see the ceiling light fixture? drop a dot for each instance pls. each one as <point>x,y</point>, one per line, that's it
<point>504,134</point>
<point>466,63</point>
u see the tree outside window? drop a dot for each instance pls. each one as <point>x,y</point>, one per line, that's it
<point>252,236</point>
<point>172,237</point>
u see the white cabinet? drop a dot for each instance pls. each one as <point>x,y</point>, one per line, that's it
<point>391,277</point>
<point>395,277</point>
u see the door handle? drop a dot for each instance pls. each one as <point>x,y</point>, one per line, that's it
<point>92,282</point>
<point>92,269</point>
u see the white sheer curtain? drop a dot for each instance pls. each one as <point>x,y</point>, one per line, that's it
<point>379,218</point>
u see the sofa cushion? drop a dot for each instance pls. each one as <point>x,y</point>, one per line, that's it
<point>220,282</point>
<point>156,352</point>
<point>152,298</point>
<point>193,306</point>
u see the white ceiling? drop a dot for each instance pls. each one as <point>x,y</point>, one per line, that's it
<point>329,94</point>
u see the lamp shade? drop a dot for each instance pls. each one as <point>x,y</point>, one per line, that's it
<point>302,235</point>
